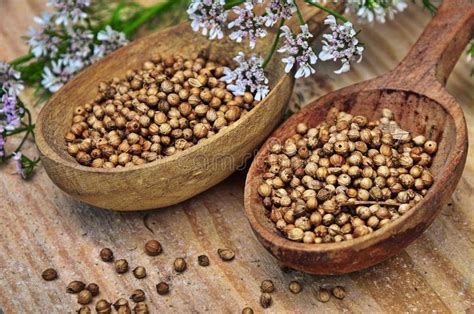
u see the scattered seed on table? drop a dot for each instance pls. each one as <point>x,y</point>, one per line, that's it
<point>121,266</point>
<point>295,287</point>
<point>162,288</point>
<point>141,308</point>
<point>84,297</point>
<point>247,310</point>
<point>93,288</point>
<point>226,254</point>
<point>49,274</point>
<point>103,307</point>
<point>267,286</point>
<point>153,248</point>
<point>203,260</point>
<point>75,286</point>
<point>138,295</point>
<point>84,310</point>
<point>139,272</point>
<point>339,292</point>
<point>180,264</point>
<point>120,302</point>
<point>323,295</point>
<point>265,300</point>
<point>106,255</point>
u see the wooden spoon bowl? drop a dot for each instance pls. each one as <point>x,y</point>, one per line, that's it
<point>415,93</point>
<point>176,178</point>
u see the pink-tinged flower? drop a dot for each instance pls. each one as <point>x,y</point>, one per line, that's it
<point>298,51</point>
<point>56,76</point>
<point>69,12</point>
<point>341,44</point>
<point>10,79</point>
<point>247,77</point>
<point>376,10</point>
<point>17,157</point>
<point>278,9</point>
<point>208,15</point>
<point>248,25</point>
<point>10,114</point>
<point>2,143</point>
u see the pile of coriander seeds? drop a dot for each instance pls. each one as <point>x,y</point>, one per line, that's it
<point>171,104</point>
<point>345,178</point>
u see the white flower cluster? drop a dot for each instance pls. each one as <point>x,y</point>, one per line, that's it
<point>376,10</point>
<point>341,44</point>
<point>66,42</point>
<point>208,15</point>
<point>298,51</point>
<point>248,25</point>
<point>248,76</point>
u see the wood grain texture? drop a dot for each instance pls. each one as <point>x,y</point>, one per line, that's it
<point>415,93</point>
<point>42,227</point>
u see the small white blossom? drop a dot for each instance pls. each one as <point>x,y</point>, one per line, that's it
<point>210,15</point>
<point>278,9</point>
<point>298,51</point>
<point>376,10</point>
<point>248,76</point>
<point>10,79</point>
<point>340,44</point>
<point>69,12</point>
<point>248,25</point>
<point>58,75</point>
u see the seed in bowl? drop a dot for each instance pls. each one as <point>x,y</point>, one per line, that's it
<point>171,104</point>
<point>345,178</point>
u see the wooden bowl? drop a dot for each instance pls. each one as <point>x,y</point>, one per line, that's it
<point>176,178</point>
<point>415,92</point>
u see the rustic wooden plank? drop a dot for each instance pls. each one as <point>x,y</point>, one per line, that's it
<point>42,227</point>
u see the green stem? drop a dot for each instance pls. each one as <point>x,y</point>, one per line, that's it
<point>232,3</point>
<point>300,15</point>
<point>29,130</point>
<point>327,10</point>
<point>275,44</point>
<point>146,16</point>
<point>22,59</point>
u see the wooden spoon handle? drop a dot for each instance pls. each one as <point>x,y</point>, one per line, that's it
<point>437,50</point>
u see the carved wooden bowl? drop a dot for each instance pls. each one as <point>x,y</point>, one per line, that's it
<point>415,92</point>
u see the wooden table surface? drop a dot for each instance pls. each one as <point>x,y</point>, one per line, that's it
<point>42,227</point>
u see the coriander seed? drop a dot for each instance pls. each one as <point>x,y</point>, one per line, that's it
<point>121,266</point>
<point>93,288</point>
<point>106,255</point>
<point>49,274</point>
<point>120,302</point>
<point>138,295</point>
<point>267,286</point>
<point>323,295</point>
<point>180,265</point>
<point>203,260</point>
<point>103,307</point>
<point>75,286</point>
<point>339,292</point>
<point>141,308</point>
<point>84,297</point>
<point>265,300</point>
<point>84,310</point>
<point>226,254</point>
<point>153,248</point>
<point>139,272</point>
<point>162,288</point>
<point>247,310</point>
<point>295,287</point>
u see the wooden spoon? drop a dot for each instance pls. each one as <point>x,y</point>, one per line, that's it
<point>176,178</point>
<point>415,92</point>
